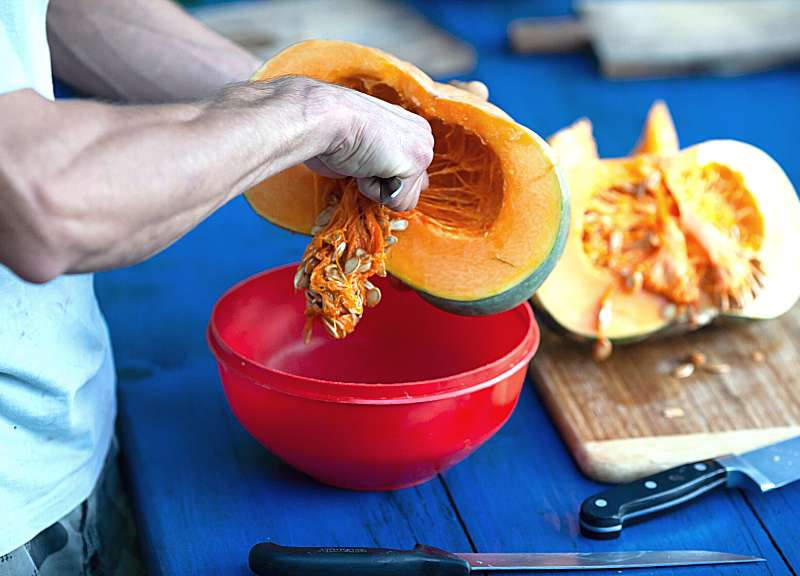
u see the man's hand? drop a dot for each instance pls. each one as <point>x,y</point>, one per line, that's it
<point>376,140</point>
<point>87,186</point>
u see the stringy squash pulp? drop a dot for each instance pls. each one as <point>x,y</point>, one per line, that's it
<point>485,233</point>
<point>669,237</point>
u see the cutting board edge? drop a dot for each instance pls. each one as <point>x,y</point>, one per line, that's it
<point>600,460</point>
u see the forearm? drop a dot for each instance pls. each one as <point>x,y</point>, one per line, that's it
<point>89,186</point>
<point>141,51</point>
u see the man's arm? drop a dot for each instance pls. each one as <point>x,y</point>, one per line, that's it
<point>87,186</point>
<point>141,51</point>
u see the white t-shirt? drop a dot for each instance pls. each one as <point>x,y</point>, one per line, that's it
<point>57,383</point>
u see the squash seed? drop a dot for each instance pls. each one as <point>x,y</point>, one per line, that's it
<point>615,242</point>
<point>300,279</point>
<point>697,358</point>
<point>316,230</point>
<point>365,267</point>
<point>398,224</point>
<point>673,412</point>
<point>340,249</point>
<point>720,368</point>
<point>683,370</point>
<point>324,217</point>
<point>669,311</point>
<point>634,281</point>
<point>360,252</point>
<point>373,297</point>
<point>351,265</point>
<point>390,241</point>
<point>602,349</point>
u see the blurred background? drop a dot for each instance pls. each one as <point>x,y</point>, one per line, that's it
<point>727,69</point>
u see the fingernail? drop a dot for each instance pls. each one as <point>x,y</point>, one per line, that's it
<point>390,188</point>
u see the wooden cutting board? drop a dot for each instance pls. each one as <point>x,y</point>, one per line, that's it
<point>629,416</point>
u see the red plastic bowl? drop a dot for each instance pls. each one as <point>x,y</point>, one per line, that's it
<point>413,391</point>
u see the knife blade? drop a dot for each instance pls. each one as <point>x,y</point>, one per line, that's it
<point>268,559</point>
<point>604,514</point>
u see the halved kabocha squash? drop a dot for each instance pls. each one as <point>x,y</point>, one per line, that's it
<point>669,238</point>
<point>485,234</point>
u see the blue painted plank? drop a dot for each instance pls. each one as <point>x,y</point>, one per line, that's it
<point>779,511</point>
<point>205,491</point>
<point>522,491</point>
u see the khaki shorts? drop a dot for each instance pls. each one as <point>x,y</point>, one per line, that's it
<point>98,538</point>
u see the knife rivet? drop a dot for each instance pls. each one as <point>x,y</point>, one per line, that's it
<point>700,467</point>
<point>650,485</point>
<point>600,503</point>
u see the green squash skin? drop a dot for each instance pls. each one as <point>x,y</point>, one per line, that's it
<point>523,291</point>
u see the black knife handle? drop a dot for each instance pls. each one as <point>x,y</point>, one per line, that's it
<point>603,515</point>
<point>267,559</point>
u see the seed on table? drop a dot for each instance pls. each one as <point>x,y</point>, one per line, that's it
<point>602,350</point>
<point>758,356</point>
<point>683,370</point>
<point>673,412</point>
<point>697,358</point>
<point>720,368</point>
<point>399,224</point>
<point>373,297</point>
<point>351,265</point>
<point>324,217</point>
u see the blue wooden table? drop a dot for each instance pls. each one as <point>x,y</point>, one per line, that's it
<point>204,491</point>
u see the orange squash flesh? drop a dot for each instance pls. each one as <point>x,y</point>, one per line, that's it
<point>492,223</point>
<point>669,237</point>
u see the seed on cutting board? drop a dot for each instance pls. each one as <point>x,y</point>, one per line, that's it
<point>398,224</point>
<point>373,297</point>
<point>602,349</point>
<point>351,265</point>
<point>697,358</point>
<point>673,412</point>
<point>758,356</point>
<point>720,368</point>
<point>683,370</point>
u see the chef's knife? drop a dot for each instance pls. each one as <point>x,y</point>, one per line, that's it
<point>269,559</point>
<point>770,467</point>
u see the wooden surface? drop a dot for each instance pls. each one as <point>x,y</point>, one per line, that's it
<point>266,28</point>
<point>630,416</point>
<point>204,491</point>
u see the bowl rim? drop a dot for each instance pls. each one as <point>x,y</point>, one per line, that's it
<point>371,392</point>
